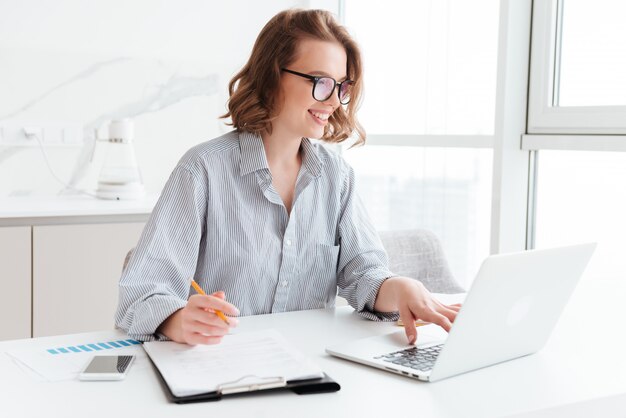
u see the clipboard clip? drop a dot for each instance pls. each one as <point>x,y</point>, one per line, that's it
<point>251,383</point>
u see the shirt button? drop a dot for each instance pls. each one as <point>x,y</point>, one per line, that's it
<point>288,242</point>
<point>284,283</point>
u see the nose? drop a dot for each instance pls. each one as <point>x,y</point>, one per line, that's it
<point>333,100</point>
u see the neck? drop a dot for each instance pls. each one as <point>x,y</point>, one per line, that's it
<point>281,149</point>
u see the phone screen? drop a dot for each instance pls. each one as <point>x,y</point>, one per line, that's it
<point>109,364</point>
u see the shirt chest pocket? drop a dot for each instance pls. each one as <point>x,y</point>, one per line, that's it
<point>327,256</point>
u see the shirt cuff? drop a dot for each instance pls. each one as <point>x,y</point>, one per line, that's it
<point>374,282</point>
<point>150,314</point>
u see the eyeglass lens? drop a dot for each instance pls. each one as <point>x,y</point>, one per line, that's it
<point>325,87</point>
<point>344,92</point>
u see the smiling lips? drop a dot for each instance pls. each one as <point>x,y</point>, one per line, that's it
<point>320,117</point>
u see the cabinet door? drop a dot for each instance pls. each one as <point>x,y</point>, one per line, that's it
<point>15,282</point>
<point>76,269</point>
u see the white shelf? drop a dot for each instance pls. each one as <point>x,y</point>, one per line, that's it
<point>37,210</point>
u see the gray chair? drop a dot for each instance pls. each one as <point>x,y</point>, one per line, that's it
<point>418,254</point>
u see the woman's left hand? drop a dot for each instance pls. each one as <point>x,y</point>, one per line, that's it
<point>413,301</point>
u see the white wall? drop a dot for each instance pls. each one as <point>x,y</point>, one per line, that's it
<point>78,64</point>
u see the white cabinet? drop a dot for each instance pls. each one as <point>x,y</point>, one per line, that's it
<point>76,269</point>
<point>60,261</point>
<point>15,282</point>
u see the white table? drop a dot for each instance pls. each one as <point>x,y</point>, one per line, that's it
<point>582,368</point>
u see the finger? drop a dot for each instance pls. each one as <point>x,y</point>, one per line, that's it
<point>215,303</point>
<point>210,318</point>
<point>221,295</point>
<point>430,314</point>
<point>195,339</point>
<point>202,328</point>
<point>409,324</point>
<point>441,320</point>
<point>455,308</point>
<point>448,313</point>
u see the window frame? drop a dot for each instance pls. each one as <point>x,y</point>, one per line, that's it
<point>543,117</point>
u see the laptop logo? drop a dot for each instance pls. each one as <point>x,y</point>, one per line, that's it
<point>519,311</point>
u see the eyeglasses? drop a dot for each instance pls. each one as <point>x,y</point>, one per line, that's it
<point>323,87</point>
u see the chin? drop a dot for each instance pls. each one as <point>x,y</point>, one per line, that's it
<point>315,134</point>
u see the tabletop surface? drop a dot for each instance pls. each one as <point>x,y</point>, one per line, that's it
<point>583,362</point>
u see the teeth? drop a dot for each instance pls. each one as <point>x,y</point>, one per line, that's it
<point>322,116</point>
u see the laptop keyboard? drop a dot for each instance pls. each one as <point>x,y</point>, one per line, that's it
<point>414,358</point>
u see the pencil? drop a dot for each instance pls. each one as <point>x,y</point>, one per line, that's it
<point>200,291</point>
<point>418,323</point>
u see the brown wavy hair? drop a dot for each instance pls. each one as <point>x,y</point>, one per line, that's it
<point>253,90</point>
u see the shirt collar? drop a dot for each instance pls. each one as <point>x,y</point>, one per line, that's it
<point>310,158</point>
<point>253,155</point>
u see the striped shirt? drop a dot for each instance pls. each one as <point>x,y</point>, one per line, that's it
<point>220,221</point>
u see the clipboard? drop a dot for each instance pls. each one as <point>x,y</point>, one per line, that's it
<point>246,363</point>
<point>301,387</point>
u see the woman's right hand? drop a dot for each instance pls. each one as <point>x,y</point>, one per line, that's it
<point>197,322</point>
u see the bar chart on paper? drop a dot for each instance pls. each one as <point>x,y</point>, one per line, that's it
<point>65,361</point>
<point>90,347</point>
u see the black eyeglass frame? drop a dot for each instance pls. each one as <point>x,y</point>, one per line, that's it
<point>316,79</point>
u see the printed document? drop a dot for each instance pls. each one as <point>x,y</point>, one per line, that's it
<point>250,359</point>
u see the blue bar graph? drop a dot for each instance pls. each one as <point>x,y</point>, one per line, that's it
<point>88,347</point>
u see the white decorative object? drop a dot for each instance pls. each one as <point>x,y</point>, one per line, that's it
<point>120,178</point>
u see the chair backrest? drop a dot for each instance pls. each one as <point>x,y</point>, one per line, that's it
<point>418,254</point>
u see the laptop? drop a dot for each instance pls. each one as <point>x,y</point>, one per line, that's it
<point>509,312</point>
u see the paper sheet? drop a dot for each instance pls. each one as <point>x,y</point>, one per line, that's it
<point>251,356</point>
<point>65,362</point>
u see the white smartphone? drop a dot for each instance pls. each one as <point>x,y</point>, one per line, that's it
<point>107,368</point>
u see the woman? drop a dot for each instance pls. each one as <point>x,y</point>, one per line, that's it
<point>261,216</point>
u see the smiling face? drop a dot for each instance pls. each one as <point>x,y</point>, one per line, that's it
<point>300,115</point>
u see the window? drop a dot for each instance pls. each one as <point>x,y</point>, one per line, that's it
<point>430,65</point>
<point>445,190</point>
<point>429,110</point>
<point>593,59</point>
<point>578,81</point>
<point>578,97</point>
<point>581,198</point>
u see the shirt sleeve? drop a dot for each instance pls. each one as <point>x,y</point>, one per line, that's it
<point>363,263</point>
<point>156,281</point>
